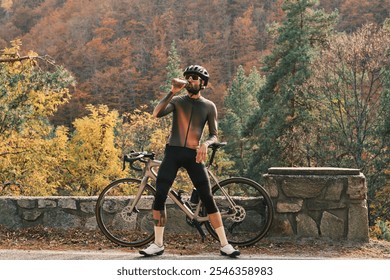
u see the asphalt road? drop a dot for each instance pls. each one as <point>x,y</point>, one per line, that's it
<point>121,255</point>
<point>114,264</point>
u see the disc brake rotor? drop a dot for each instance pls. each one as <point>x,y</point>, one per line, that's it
<point>126,214</point>
<point>240,214</point>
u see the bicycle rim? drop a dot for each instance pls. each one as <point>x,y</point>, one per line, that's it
<point>254,211</point>
<point>117,222</point>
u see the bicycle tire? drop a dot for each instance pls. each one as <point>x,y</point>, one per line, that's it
<point>114,220</point>
<point>255,211</point>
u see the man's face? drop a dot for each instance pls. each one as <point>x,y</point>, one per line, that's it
<point>194,83</point>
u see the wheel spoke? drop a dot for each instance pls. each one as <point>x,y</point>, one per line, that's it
<point>253,211</point>
<point>116,219</point>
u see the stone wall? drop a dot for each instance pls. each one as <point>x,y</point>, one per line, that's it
<point>326,203</point>
<point>57,211</point>
<point>66,212</point>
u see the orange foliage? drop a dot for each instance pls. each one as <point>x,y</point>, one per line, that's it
<point>118,52</point>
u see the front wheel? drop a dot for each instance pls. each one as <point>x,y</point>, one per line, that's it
<point>253,211</point>
<point>115,218</point>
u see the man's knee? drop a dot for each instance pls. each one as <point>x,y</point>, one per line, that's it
<point>159,201</point>
<point>209,204</point>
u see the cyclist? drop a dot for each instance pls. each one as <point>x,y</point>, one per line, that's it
<point>190,114</point>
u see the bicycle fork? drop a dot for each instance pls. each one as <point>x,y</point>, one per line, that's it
<point>133,208</point>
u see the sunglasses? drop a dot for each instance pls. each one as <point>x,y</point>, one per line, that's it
<point>193,77</point>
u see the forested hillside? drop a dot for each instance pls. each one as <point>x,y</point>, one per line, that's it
<point>296,83</point>
<point>118,50</point>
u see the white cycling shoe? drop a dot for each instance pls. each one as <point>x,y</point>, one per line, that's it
<point>152,250</point>
<point>228,250</point>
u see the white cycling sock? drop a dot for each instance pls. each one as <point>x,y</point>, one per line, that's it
<point>221,235</point>
<point>158,235</point>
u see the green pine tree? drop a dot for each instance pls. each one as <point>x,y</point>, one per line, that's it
<point>173,67</point>
<point>281,122</point>
<point>240,101</point>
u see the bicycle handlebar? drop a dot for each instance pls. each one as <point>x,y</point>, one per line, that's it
<point>136,156</point>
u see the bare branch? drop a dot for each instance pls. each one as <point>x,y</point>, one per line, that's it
<point>45,58</point>
<point>7,60</point>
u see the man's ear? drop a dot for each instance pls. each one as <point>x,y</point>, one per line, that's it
<point>202,84</point>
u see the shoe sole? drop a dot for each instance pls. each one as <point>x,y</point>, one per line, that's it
<point>232,255</point>
<point>151,255</point>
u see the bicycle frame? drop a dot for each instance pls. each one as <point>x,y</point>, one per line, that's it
<point>150,173</point>
<point>126,220</point>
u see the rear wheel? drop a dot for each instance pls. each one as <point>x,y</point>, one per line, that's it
<point>117,221</point>
<point>253,211</point>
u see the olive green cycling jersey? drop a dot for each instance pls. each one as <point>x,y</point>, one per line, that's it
<point>190,116</point>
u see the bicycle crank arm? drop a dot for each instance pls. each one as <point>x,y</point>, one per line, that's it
<point>200,230</point>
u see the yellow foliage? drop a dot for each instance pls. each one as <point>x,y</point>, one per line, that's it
<point>32,154</point>
<point>141,131</point>
<point>37,160</point>
<point>94,160</point>
<point>32,162</point>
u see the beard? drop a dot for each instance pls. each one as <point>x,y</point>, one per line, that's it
<point>193,90</point>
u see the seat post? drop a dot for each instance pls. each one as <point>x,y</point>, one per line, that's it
<point>214,150</point>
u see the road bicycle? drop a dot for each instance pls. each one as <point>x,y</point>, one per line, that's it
<point>245,206</point>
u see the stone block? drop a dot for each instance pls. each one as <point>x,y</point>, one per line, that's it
<point>31,215</point>
<point>8,217</point>
<point>291,206</point>
<point>47,203</point>
<point>28,203</point>
<point>306,226</point>
<point>281,227</point>
<point>357,187</point>
<point>147,202</point>
<point>59,219</point>
<point>334,190</point>
<point>332,226</point>
<point>177,221</point>
<point>271,186</point>
<point>315,205</point>
<point>88,207</point>
<point>358,222</point>
<point>67,203</point>
<point>91,223</point>
<point>303,187</point>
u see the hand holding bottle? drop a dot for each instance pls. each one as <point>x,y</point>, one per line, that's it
<point>178,85</point>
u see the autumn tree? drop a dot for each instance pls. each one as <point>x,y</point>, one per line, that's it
<point>350,83</point>
<point>355,14</point>
<point>117,50</point>
<point>137,130</point>
<point>244,39</point>
<point>30,148</point>
<point>280,124</point>
<point>94,160</point>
